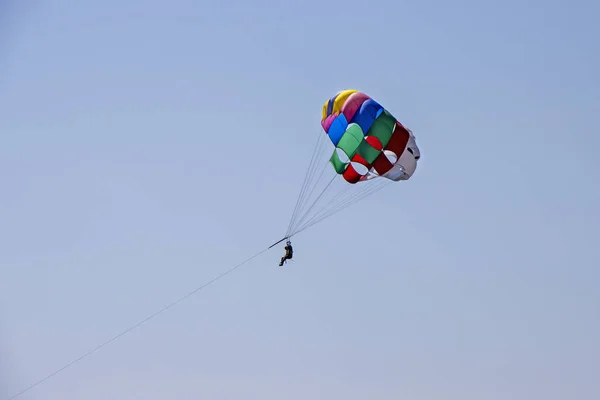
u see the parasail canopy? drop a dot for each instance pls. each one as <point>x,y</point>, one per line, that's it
<point>364,143</point>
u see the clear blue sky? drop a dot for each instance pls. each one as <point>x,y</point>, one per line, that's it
<point>145,148</point>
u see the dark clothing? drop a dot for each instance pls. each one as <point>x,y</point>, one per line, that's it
<point>289,253</point>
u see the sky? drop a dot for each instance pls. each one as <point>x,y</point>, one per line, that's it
<point>147,147</point>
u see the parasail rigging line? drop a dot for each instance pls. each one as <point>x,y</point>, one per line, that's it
<point>317,185</point>
<point>134,326</point>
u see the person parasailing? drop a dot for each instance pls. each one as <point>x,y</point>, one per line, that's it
<point>289,253</point>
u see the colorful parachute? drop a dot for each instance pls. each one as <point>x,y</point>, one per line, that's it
<point>369,141</point>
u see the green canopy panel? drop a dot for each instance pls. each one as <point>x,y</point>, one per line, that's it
<point>351,139</point>
<point>383,127</point>
<point>337,163</point>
